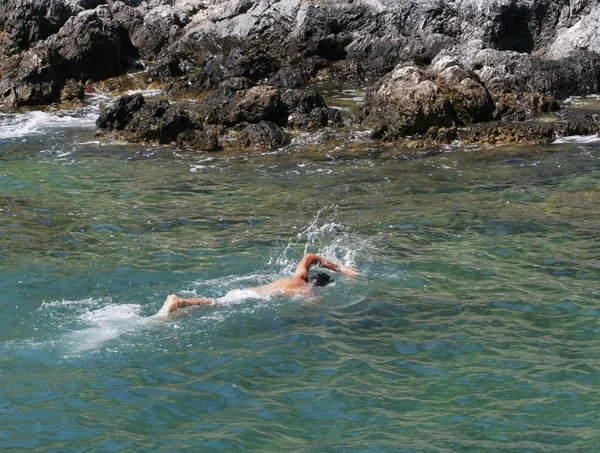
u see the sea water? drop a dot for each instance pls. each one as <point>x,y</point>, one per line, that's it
<point>473,326</point>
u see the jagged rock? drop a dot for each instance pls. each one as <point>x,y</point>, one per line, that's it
<point>470,100</point>
<point>119,115</point>
<point>296,108</point>
<point>578,31</point>
<point>468,57</point>
<point>225,91</point>
<point>136,120</point>
<point>206,139</point>
<point>341,117</point>
<point>158,122</point>
<point>25,22</point>
<point>88,46</point>
<point>510,71</point>
<point>256,104</point>
<point>28,79</point>
<point>92,45</point>
<point>411,101</point>
<point>171,67</point>
<point>72,91</point>
<point>532,132</point>
<point>517,106</point>
<point>264,135</point>
<point>314,120</point>
<point>307,110</point>
<point>302,101</point>
<point>298,73</point>
<point>151,29</point>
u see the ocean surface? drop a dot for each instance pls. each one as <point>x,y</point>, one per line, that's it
<point>473,327</point>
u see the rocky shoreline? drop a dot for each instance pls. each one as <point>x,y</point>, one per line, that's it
<point>436,72</point>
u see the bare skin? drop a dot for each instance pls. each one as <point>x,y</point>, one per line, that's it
<point>295,285</point>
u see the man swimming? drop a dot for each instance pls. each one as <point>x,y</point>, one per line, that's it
<point>299,284</point>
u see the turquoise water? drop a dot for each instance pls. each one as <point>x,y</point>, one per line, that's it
<point>474,326</point>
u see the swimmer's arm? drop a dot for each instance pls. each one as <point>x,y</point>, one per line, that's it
<point>311,259</point>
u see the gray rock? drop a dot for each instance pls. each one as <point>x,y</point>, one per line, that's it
<point>512,58</point>
<point>263,135</point>
<point>578,29</point>
<point>200,140</point>
<point>411,101</point>
<point>158,122</point>
<point>151,29</point>
<point>89,45</point>
<point>118,115</point>
<point>136,120</point>
<point>254,105</point>
<point>531,132</point>
<point>25,22</point>
<point>72,91</point>
<point>92,45</point>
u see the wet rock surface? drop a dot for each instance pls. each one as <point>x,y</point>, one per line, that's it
<point>134,119</point>
<point>265,135</point>
<point>248,118</point>
<point>532,132</point>
<point>430,68</point>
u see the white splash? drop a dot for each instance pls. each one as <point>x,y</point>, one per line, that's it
<point>329,239</point>
<point>582,99</point>
<point>237,296</point>
<point>145,93</point>
<point>18,125</point>
<point>106,324</point>
<point>577,139</point>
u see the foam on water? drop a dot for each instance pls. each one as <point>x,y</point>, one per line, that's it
<point>575,139</point>
<point>574,99</point>
<point>89,324</point>
<point>145,93</point>
<point>38,123</point>
<point>106,324</point>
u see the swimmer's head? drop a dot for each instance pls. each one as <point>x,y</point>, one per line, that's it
<point>320,279</point>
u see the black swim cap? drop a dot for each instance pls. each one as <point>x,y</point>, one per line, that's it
<point>320,279</point>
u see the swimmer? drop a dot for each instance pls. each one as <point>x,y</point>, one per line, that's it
<point>300,284</point>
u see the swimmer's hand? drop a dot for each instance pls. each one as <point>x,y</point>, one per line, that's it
<point>350,271</point>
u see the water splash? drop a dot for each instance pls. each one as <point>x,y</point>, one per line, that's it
<point>89,324</point>
<point>106,324</point>
<point>328,238</point>
<point>577,139</point>
<point>35,123</point>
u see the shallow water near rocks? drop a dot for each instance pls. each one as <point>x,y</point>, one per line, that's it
<point>473,326</point>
